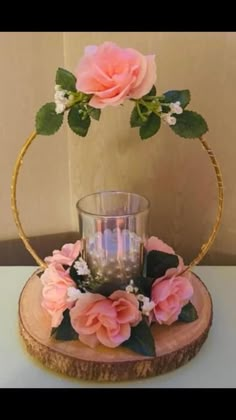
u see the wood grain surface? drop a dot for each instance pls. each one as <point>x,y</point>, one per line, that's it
<point>175,344</point>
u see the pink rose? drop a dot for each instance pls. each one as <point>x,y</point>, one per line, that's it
<point>67,254</point>
<point>98,319</point>
<point>113,74</point>
<point>156,244</point>
<point>170,293</point>
<point>55,282</point>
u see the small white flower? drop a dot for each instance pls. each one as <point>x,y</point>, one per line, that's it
<point>60,95</point>
<point>60,100</point>
<point>141,298</point>
<point>73,294</point>
<point>81,267</point>
<point>60,108</point>
<point>169,119</point>
<point>148,306</point>
<point>129,289</point>
<point>176,108</point>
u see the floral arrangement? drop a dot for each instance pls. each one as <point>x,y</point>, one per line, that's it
<point>113,313</point>
<point>87,308</point>
<point>108,75</point>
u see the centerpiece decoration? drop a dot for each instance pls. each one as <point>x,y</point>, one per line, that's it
<point>116,289</point>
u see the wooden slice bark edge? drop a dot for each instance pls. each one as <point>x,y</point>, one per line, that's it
<point>113,364</point>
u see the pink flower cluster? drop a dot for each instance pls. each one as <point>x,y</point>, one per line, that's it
<point>112,74</point>
<point>170,292</point>
<point>108,320</point>
<point>56,281</point>
<point>98,319</point>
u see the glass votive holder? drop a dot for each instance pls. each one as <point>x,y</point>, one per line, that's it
<point>113,227</point>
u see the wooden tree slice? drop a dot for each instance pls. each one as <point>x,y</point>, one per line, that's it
<point>175,344</point>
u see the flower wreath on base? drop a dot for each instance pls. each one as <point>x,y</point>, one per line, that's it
<point>83,307</point>
<point>113,313</point>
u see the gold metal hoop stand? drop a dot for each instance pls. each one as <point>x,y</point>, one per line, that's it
<point>205,247</point>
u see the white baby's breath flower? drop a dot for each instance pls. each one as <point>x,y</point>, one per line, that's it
<point>129,289</point>
<point>141,298</point>
<point>60,99</point>
<point>73,294</point>
<point>60,95</point>
<point>81,267</point>
<point>176,108</point>
<point>147,306</point>
<point>169,119</point>
<point>60,108</point>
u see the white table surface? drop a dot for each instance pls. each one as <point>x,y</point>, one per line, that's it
<point>214,366</point>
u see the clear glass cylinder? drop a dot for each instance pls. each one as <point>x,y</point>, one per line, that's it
<point>113,226</point>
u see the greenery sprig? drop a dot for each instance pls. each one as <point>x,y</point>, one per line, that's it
<point>147,115</point>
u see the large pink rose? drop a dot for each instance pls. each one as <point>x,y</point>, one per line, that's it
<point>98,319</point>
<point>55,282</point>
<point>170,293</point>
<point>112,74</point>
<point>155,244</point>
<point>67,254</point>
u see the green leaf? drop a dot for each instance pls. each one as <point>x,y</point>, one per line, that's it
<point>165,109</point>
<point>135,119</point>
<point>66,79</point>
<point>183,96</point>
<point>152,92</point>
<point>95,113</point>
<point>141,340</point>
<point>189,125</point>
<point>144,285</point>
<point>158,262</point>
<point>47,120</point>
<point>150,127</point>
<point>188,313</point>
<point>77,124</point>
<point>65,331</point>
<point>73,273</point>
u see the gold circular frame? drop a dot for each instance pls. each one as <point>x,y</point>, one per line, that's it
<point>205,247</point>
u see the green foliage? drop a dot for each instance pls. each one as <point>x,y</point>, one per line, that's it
<point>188,313</point>
<point>47,120</point>
<point>77,122</point>
<point>152,92</point>
<point>190,125</point>
<point>158,262</point>
<point>150,127</point>
<point>66,79</point>
<point>65,331</point>
<point>183,96</point>
<point>141,340</point>
<point>95,113</point>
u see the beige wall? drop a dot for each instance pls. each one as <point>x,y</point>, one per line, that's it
<point>174,173</point>
<point>27,72</point>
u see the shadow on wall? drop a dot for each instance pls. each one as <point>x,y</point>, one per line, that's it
<point>13,252</point>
